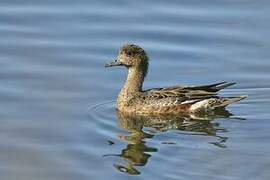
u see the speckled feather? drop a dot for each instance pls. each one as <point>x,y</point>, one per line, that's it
<point>168,100</point>
<point>180,99</point>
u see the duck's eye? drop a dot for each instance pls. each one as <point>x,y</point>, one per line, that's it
<point>129,53</point>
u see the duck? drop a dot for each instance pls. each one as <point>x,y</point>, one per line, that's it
<point>133,99</point>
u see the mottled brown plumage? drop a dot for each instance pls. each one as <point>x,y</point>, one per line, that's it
<point>169,100</point>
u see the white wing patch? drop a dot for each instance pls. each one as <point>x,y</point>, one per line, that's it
<point>189,101</point>
<point>206,104</point>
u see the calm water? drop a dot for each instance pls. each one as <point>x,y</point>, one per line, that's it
<point>57,100</point>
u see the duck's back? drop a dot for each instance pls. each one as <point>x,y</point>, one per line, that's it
<point>179,99</point>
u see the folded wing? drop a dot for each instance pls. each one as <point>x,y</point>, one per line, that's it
<point>194,96</point>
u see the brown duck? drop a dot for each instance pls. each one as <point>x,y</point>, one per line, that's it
<point>169,100</point>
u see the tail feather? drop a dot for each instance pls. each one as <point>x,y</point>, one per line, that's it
<point>229,100</point>
<point>213,87</point>
<point>223,86</point>
<point>214,103</point>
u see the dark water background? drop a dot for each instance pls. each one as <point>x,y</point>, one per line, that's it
<point>57,100</point>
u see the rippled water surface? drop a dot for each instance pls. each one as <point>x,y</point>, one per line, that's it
<point>58,119</point>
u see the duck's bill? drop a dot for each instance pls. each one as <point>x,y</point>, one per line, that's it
<point>113,63</point>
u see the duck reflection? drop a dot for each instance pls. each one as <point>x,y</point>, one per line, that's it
<point>137,152</point>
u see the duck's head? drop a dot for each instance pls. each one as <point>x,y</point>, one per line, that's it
<point>131,56</point>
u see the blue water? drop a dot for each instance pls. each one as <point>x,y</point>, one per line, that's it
<point>58,119</point>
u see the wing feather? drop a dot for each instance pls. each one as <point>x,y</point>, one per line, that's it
<point>176,95</point>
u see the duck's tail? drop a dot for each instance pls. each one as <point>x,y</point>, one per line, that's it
<point>214,103</point>
<point>225,101</point>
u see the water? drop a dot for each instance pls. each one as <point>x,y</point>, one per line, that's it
<point>57,100</point>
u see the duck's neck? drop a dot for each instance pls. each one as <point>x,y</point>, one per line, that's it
<point>134,81</point>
